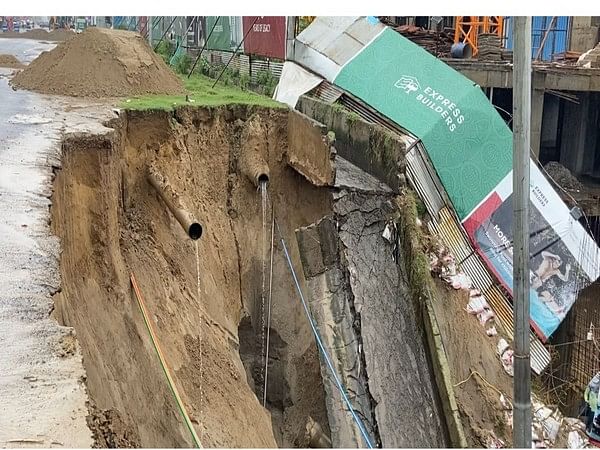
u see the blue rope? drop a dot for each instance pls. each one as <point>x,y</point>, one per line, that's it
<point>361,427</point>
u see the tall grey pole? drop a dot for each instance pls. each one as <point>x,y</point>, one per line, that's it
<point>290,36</point>
<point>149,26</point>
<point>521,145</point>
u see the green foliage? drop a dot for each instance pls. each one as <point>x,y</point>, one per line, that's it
<point>201,93</point>
<point>266,80</point>
<point>352,117</point>
<point>165,50</point>
<point>421,208</point>
<point>244,82</point>
<point>203,66</point>
<point>182,64</point>
<point>303,22</point>
<point>411,240</point>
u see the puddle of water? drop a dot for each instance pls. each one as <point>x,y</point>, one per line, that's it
<point>28,119</point>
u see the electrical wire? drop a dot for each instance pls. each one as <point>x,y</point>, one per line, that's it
<point>345,398</point>
<point>163,362</point>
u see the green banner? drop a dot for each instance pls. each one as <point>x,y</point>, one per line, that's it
<point>220,39</point>
<point>469,144</point>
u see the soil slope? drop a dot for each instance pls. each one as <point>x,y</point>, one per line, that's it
<point>112,223</point>
<point>468,349</point>
<point>40,34</point>
<point>100,63</point>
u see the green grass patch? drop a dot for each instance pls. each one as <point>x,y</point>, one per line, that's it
<point>201,93</point>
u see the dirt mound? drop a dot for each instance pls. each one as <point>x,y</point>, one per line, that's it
<point>10,61</point>
<point>40,34</point>
<point>100,63</point>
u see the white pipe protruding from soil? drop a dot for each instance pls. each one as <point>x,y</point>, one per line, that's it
<point>187,221</point>
<point>255,168</point>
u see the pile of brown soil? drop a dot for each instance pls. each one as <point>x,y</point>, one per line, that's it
<point>10,61</point>
<point>40,34</point>
<point>100,63</point>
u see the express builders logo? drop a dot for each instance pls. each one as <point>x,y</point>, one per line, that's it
<point>432,99</point>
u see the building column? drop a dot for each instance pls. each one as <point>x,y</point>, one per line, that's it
<point>537,113</point>
<point>575,135</point>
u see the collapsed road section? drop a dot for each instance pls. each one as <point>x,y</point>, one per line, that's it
<point>112,222</point>
<point>195,328</point>
<point>460,162</point>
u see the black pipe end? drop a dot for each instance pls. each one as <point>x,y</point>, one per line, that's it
<point>195,231</point>
<point>263,178</point>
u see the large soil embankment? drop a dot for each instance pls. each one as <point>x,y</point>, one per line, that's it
<point>112,223</point>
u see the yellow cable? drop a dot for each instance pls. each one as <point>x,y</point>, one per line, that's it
<point>163,362</point>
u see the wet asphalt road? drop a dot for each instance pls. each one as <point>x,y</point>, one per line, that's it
<point>42,396</point>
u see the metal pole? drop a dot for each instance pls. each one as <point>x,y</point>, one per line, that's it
<point>165,33</point>
<point>203,47</point>
<point>550,28</point>
<point>235,52</point>
<point>521,144</point>
<point>148,32</point>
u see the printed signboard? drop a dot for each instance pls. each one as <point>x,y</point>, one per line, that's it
<point>219,30</point>
<point>470,148</point>
<point>265,36</point>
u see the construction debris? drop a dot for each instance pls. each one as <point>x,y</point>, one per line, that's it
<point>563,176</point>
<point>590,59</point>
<point>437,43</point>
<point>490,47</point>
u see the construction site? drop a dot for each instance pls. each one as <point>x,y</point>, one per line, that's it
<point>290,232</point>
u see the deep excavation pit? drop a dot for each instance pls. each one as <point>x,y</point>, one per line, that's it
<point>112,222</point>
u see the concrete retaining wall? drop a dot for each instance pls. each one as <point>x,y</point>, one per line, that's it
<point>381,154</point>
<point>369,146</point>
<point>309,149</point>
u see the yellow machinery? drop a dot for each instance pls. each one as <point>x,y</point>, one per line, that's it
<point>468,28</point>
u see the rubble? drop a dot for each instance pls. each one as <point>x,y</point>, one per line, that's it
<point>563,176</point>
<point>590,59</point>
<point>436,43</point>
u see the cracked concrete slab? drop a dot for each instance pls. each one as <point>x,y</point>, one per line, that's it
<point>360,297</point>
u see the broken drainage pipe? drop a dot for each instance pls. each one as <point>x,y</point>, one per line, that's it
<point>192,228</point>
<point>255,168</point>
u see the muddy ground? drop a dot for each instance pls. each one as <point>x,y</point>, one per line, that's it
<point>112,223</point>
<point>468,349</point>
